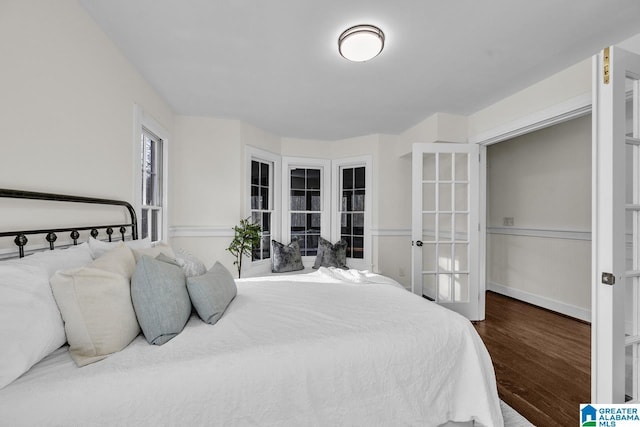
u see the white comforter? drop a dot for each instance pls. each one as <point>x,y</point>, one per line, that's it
<point>330,348</point>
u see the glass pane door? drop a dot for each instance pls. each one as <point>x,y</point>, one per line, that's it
<point>632,240</point>
<point>615,338</point>
<point>445,237</point>
<point>445,256</point>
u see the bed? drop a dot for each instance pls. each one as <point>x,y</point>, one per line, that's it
<point>325,348</point>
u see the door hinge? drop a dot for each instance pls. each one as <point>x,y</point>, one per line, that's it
<point>606,64</point>
<point>608,279</point>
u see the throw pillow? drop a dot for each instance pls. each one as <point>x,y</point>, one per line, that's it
<point>100,247</point>
<point>191,265</point>
<point>98,315</point>
<point>160,299</point>
<point>285,258</point>
<point>95,303</point>
<point>119,260</point>
<point>212,292</point>
<point>59,259</point>
<point>331,255</point>
<point>160,248</point>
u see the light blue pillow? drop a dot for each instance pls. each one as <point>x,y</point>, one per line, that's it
<point>212,292</point>
<point>160,299</point>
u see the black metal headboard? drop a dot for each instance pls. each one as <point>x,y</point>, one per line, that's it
<point>21,235</point>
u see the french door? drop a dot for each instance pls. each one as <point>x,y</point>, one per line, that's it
<point>616,228</point>
<point>445,226</point>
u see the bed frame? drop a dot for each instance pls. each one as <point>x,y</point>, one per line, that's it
<point>50,234</point>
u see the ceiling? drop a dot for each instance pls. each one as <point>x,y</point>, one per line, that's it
<point>275,64</point>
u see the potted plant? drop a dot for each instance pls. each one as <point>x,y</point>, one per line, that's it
<point>246,237</point>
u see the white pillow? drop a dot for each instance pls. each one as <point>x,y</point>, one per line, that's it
<point>30,323</point>
<point>59,259</point>
<point>159,248</point>
<point>95,303</point>
<point>119,260</point>
<point>99,247</point>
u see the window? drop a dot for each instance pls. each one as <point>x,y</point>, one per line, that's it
<point>305,208</point>
<point>262,205</point>
<point>306,203</point>
<point>316,197</point>
<point>352,209</point>
<point>152,194</point>
<point>150,167</point>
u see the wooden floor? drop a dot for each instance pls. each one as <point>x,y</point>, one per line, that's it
<point>542,360</point>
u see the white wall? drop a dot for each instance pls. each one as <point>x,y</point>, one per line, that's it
<point>543,181</point>
<point>67,100</point>
<point>559,88</point>
<point>208,178</point>
<point>205,175</point>
<point>392,226</point>
<point>632,44</point>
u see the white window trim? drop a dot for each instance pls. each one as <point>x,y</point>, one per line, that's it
<point>366,262</point>
<point>142,120</point>
<point>263,266</point>
<point>327,208</point>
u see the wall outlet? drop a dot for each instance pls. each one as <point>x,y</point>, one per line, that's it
<point>507,221</point>
<point>401,272</point>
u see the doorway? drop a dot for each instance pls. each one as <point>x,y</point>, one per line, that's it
<point>539,218</point>
<point>538,194</point>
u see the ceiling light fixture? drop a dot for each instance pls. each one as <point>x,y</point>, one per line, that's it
<point>361,43</point>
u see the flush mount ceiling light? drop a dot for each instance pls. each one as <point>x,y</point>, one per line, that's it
<point>361,43</point>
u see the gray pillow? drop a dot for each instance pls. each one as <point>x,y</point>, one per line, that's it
<point>212,292</point>
<point>331,255</point>
<point>160,299</point>
<point>191,265</point>
<point>285,258</point>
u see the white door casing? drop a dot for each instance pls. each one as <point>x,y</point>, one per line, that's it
<point>446,226</point>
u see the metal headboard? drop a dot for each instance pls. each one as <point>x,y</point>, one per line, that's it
<point>21,236</point>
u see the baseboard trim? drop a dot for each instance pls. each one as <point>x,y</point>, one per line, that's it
<point>544,302</point>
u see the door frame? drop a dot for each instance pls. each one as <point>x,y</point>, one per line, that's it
<point>573,108</point>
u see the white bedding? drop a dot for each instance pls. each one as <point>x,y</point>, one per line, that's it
<point>329,348</point>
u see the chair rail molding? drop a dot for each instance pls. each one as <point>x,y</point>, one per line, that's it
<point>400,231</point>
<point>201,231</point>
<point>542,232</point>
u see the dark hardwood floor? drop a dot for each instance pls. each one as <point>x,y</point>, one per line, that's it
<point>542,360</point>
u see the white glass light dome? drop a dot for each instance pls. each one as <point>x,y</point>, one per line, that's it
<point>361,43</point>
